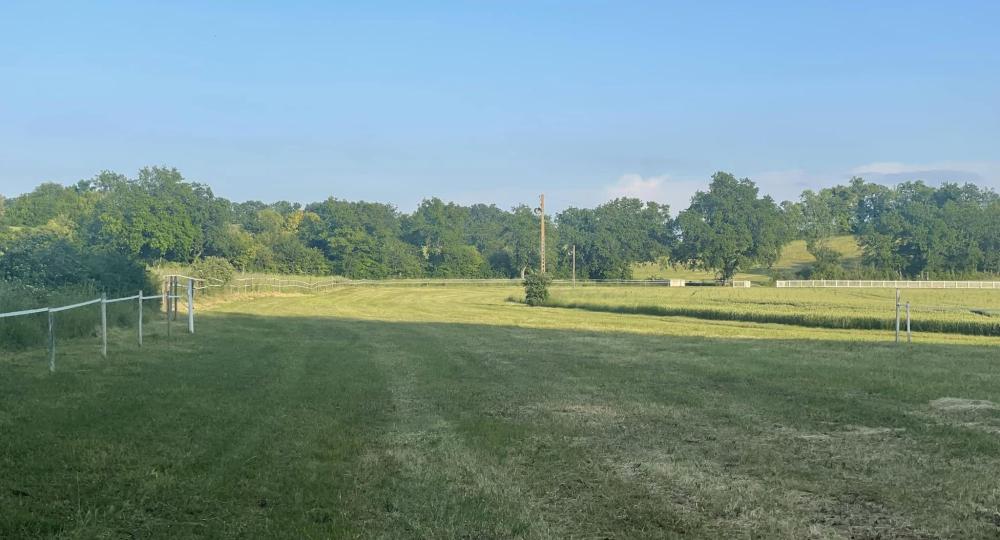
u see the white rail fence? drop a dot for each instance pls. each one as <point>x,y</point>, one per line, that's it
<point>169,297</point>
<point>875,284</point>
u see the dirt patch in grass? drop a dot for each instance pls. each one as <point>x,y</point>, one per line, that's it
<point>601,411</point>
<point>977,414</point>
<point>950,404</point>
<point>845,431</point>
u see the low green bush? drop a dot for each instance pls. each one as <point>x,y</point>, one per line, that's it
<point>536,289</point>
<point>215,270</point>
<point>41,268</point>
<point>48,261</point>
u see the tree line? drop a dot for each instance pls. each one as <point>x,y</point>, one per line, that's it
<point>908,230</point>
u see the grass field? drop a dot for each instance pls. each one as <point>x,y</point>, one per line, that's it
<point>451,413</point>
<point>967,311</point>
<point>793,258</point>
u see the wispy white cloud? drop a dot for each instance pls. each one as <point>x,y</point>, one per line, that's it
<point>675,192</point>
<point>788,184</point>
<point>885,167</point>
<point>985,173</point>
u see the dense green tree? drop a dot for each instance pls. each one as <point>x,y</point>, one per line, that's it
<point>521,237</point>
<point>612,237</point>
<point>290,256</point>
<point>153,217</point>
<point>915,229</point>
<point>459,261</point>
<point>49,260</point>
<point>485,230</point>
<point>45,203</point>
<point>729,228</point>
<point>436,224</point>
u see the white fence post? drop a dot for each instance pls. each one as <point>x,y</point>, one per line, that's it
<point>140,318</point>
<point>174,294</point>
<point>897,315</point>
<point>190,292</point>
<point>52,342</point>
<point>169,303</point>
<point>104,325</point>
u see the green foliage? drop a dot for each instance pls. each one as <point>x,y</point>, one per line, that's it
<point>609,239</point>
<point>290,256</point>
<point>729,228</point>
<point>41,268</point>
<point>46,260</point>
<point>159,216</point>
<point>536,289</point>
<point>917,230</point>
<point>457,261</point>
<point>216,270</point>
<point>153,217</point>
<point>48,201</point>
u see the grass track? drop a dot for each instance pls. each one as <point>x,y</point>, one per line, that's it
<point>447,412</point>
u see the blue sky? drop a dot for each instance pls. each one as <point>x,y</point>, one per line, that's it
<point>499,101</point>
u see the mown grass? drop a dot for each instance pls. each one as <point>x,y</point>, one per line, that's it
<point>448,412</point>
<point>948,311</point>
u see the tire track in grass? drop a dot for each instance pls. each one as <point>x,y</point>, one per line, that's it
<point>439,486</point>
<point>295,464</point>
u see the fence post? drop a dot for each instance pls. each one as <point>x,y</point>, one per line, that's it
<point>177,286</point>
<point>52,342</point>
<point>909,336</point>
<point>140,318</point>
<point>897,315</point>
<point>169,303</point>
<point>104,325</point>
<point>190,292</point>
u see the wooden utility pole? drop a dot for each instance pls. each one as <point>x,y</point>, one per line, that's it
<point>574,264</point>
<point>897,315</point>
<point>541,215</point>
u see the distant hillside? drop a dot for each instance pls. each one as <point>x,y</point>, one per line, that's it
<point>793,258</point>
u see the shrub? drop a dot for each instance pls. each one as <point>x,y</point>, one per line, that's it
<point>536,289</point>
<point>48,261</point>
<point>216,270</point>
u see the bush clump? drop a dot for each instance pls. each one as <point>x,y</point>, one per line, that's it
<point>48,261</point>
<point>44,268</point>
<point>216,270</point>
<point>536,289</point>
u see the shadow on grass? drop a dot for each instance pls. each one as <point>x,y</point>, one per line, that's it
<point>320,426</point>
